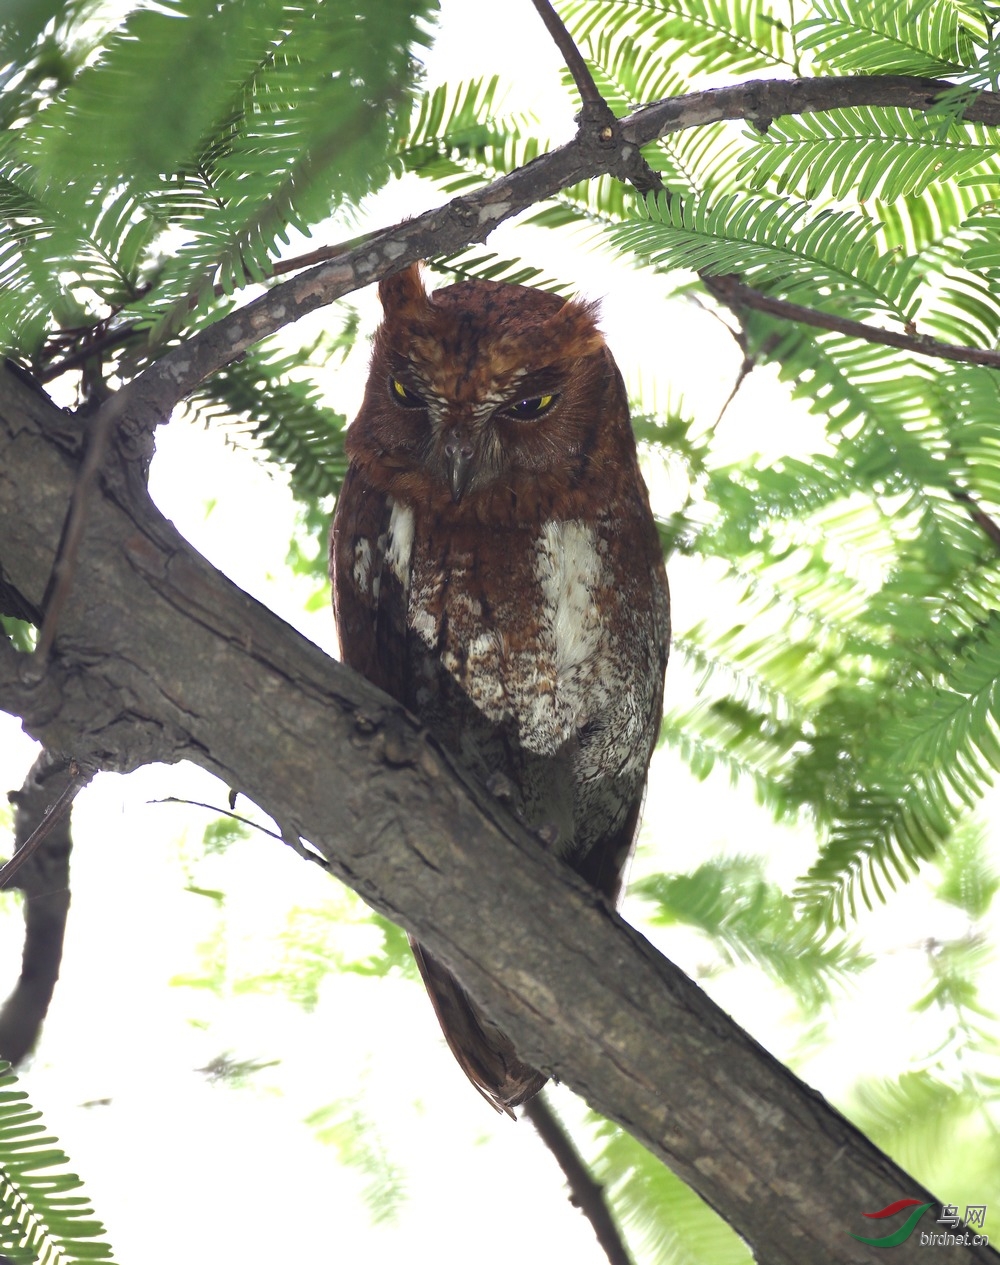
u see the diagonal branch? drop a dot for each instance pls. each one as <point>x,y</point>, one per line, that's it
<point>736,294</point>
<point>150,397</point>
<point>595,109</point>
<point>584,1193</point>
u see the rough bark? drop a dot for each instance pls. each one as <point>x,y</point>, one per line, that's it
<point>44,880</point>
<point>158,657</point>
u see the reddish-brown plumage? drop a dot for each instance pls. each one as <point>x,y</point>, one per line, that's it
<point>497,569</point>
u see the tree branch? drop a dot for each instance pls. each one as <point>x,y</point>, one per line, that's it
<point>160,657</point>
<point>736,294</point>
<point>989,526</point>
<point>150,397</point>
<point>584,1192</point>
<point>596,110</point>
<point>43,844</point>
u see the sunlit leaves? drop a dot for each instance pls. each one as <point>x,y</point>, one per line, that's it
<point>968,879</point>
<point>774,244</point>
<point>659,1214</point>
<point>863,153</point>
<point>182,155</point>
<point>752,921</point>
<point>277,403</point>
<point>703,35</point>
<point>358,1144</point>
<point>889,38</point>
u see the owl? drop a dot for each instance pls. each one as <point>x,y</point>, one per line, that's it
<point>496,568</point>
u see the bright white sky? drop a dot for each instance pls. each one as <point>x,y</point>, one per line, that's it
<point>183,1169</point>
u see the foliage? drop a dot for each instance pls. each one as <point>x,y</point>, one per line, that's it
<point>752,921</point>
<point>41,1218</point>
<point>663,1218</point>
<point>358,1143</point>
<point>131,210</point>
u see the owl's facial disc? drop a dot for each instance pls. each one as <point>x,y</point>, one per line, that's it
<point>469,428</point>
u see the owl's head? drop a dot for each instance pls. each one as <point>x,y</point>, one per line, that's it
<point>484,389</point>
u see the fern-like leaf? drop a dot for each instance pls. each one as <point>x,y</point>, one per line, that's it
<point>886,37</point>
<point>863,153</point>
<point>708,35</point>
<point>41,1218</point>
<point>752,921</point>
<point>775,246</point>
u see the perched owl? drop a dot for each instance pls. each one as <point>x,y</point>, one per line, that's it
<point>496,568</point>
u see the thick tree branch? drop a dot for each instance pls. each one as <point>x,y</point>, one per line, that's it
<point>158,656</point>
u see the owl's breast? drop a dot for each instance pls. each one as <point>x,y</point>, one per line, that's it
<point>533,629</point>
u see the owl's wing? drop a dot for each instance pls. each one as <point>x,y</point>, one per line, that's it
<point>604,863</point>
<point>370,601</point>
<point>484,1053</point>
<point>369,598</point>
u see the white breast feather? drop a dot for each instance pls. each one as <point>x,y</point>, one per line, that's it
<point>569,569</point>
<point>399,545</point>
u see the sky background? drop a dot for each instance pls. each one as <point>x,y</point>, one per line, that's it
<point>184,1167</point>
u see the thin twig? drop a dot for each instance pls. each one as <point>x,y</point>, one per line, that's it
<point>584,1192</point>
<point>989,526</point>
<point>78,780</point>
<point>595,108</point>
<point>735,293</point>
<point>223,812</point>
<point>289,837</point>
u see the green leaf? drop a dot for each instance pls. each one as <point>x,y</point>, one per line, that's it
<point>753,921</point>
<point>39,1220</point>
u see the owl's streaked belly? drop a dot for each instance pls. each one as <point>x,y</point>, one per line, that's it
<point>531,627</point>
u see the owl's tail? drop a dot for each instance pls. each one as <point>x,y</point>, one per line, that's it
<point>485,1054</point>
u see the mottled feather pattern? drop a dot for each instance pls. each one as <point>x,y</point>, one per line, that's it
<point>497,569</point>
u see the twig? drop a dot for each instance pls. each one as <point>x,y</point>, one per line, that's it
<point>598,124</point>
<point>735,293</point>
<point>223,812</point>
<point>78,780</point>
<point>290,837</point>
<point>989,525</point>
<point>584,1192</point>
<point>595,108</point>
<point>114,338</point>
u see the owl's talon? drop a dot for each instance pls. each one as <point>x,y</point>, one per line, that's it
<point>501,787</point>
<point>548,834</point>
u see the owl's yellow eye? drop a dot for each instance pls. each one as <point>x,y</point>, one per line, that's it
<point>403,395</point>
<point>533,407</point>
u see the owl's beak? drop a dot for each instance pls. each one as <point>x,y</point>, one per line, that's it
<point>458,454</point>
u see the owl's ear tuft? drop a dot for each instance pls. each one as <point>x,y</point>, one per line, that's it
<point>404,295</point>
<point>575,329</point>
<point>568,334</point>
